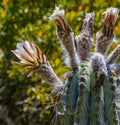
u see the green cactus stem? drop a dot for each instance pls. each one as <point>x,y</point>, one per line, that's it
<point>118,100</point>
<point>66,118</point>
<point>96,103</point>
<point>69,99</point>
<point>111,114</point>
<point>82,107</point>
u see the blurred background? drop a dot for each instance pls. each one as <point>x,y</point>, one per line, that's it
<point>27,100</point>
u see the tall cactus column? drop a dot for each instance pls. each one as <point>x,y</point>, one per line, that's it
<point>84,42</point>
<point>97,96</point>
<point>68,100</point>
<point>104,40</point>
<point>110,88</point>
<point>96,104</point>
<point>81,116</point>
<point>70,91</point>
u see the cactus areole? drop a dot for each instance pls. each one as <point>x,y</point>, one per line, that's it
<point>89,95</point>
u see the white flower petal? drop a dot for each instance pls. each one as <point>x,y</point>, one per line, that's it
<point>57,12</point>
<point>27,45</point>
<point>18,54</point>
<point>26,50</point>
<point>19,47</point>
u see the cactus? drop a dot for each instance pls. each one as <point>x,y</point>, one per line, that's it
<point>111,114</point>
<point>82,105</point>
<point>90,95</point>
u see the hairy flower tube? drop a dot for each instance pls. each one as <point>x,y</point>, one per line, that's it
<point>84,39</point>
<point>66,37</point>
<point>105,36</point>
<point>32,57</point>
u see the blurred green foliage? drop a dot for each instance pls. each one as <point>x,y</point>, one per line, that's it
<point>26,100</point>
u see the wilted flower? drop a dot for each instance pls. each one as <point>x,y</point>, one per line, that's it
<point>84,39</point>
<point>59,16</point>
<point>111,15</point>
<point>66,36</point>
<point>29,54</point>
<point>32,57</point>
<point>88,22</point>
<point>57,12</point>
<point>105,36</point>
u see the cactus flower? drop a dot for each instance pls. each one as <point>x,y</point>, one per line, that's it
<point>66,37</point>
<point>59,16</point>
<point>29,54</point>
<point>84,39</point>
<point>105,36</point>
<point>32,57</point>
<point>111,16</point>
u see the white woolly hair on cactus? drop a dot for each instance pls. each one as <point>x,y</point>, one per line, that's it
<point>68,60</point>
<point>71,59</point>
<point>98,64</point>
<point>66,56</point>
<point>115,71</point>
<point>90,17</point>
<point>32,57</point>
